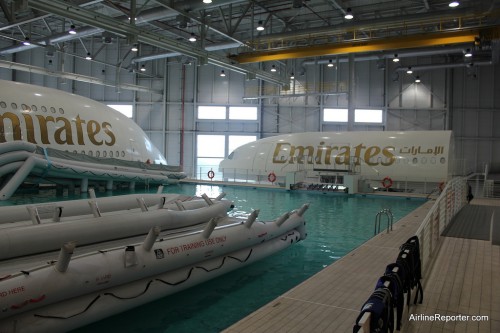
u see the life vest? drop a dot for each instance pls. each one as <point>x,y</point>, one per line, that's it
<point>413,268</point>
<point>402,280</point>
<point>396,287</point>
<point>380,307</point>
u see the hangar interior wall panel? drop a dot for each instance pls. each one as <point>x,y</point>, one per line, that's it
<point>143,117</point>
<point>173,148</point>
<point>369,85</point>
<point>174,118</point>
<point>462,99</point>
<point>334,128</point>
<point>476,117</point>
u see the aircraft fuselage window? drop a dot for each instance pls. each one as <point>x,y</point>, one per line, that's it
<point>61,110</point>
<point>34,108</point>
<point>52,109</point>
<point>3,105</point>
<point>25,107</point>
<point>44,109</point>
<point>13,106</point>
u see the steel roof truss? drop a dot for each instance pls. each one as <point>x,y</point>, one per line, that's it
<point>123,29</point>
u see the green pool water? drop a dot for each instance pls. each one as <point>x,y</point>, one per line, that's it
<point>336,224</point>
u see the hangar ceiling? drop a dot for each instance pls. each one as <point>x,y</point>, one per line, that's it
<point>226,30</point>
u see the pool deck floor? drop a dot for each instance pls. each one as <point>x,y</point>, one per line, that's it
<point>330,300</point>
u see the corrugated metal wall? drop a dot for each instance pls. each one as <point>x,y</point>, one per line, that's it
<point>465,100</point>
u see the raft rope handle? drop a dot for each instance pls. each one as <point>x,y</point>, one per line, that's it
<point>189,272</point>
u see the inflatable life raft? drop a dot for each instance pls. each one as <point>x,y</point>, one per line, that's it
<point>18,239</point>
<point>73,291</point>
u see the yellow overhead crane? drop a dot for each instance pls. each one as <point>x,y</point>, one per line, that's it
<point>359,46</point>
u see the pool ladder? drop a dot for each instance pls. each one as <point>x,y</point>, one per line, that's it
<point>390,219</point>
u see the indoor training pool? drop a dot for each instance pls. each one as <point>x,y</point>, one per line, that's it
<point>336,224</point>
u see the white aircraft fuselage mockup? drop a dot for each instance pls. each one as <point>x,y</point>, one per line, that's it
<point>401,156</point>
<point>52,118</point>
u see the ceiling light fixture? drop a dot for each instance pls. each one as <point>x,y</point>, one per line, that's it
<point>273,68</point>
<point>72,30</point>
<point>134,48</point>
<point>467,53</point>
<point>395,59</point>
<point>222,74</point>
<point>260,27</point>
<point>330,63</point>
<point>409,71</point>
<point>192,38</point>
<point>26,41</point>
<point>348,14</point>
<point>143,68</point>
<point>292,76</point>
<point>417,79</point>
<point>89,56</point>
<point>454,4</point>
<point>207,1</point>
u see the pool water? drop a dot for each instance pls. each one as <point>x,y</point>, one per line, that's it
<point>336,224</point>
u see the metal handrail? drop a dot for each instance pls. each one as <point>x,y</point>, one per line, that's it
<point>390,219</point>
<point>447,205</point>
